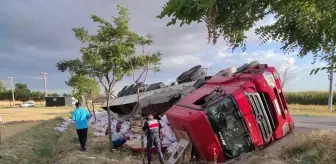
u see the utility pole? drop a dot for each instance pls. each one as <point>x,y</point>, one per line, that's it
<point>11,80</point>
<point>44,75</point>
<point>331,77</point>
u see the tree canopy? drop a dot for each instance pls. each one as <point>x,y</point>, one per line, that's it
<point>307,26</point>
<point>54,94</point>
<point>37,96</point>
<point>83,85</point>
<point>110,54</point>
<point>21,92</point>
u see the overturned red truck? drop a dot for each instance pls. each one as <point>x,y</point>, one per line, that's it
<point>225,115</point>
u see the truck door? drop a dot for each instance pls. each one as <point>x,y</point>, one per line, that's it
<point>228,124</point>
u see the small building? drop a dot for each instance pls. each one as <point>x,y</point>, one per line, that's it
<point>52,101</point>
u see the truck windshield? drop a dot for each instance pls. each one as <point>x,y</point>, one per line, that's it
<point>225,120</point>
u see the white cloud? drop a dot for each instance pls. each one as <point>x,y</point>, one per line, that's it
<point>52,41</point>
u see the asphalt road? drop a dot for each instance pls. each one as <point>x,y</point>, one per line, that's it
<point>315,122</point>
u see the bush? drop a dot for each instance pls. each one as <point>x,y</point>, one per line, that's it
<point>308,98</point>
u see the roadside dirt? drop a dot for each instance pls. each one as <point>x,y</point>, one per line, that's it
<point>271,154</point>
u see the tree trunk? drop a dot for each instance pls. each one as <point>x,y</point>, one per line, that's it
<point>84,101</point>
<point>142,136</point>
<point>94,112</point>
<point>109,120</point>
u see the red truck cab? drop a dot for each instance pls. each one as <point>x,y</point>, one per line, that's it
<point>231,115</point>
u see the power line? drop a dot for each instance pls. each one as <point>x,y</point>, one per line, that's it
<point>44,75</point>
<point>11,80</point>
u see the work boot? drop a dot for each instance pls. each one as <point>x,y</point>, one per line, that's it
<point>83,149</point>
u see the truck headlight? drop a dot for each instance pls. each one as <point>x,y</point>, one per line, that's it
<point>269,79</point>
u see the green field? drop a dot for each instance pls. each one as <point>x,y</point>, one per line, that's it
<point>308,98</point>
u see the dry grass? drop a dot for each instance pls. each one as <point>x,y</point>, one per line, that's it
<point>310,110</point>
<point>28,114</point>
<point>318,147</point>
<point>38,113</point>
<point>12,129</point>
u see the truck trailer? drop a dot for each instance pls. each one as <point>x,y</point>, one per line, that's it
<point>233,112</point>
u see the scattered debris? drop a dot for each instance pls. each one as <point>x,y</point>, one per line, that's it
<point>101,124</point>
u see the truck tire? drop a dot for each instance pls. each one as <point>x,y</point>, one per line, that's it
<point>155,86</point>
<point>121,93</point>
<point>246,66</point>
<point>132,89</point>
<point>195,73</point>
<point>142,86</point>
<point>128,90</point>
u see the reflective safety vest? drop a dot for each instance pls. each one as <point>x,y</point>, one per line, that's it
<point>153,125</point>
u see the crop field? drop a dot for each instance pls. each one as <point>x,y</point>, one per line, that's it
<point>308,98</point>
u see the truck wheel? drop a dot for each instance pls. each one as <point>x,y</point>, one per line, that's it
<point>128,90</point>
<point>155,86</point>
<point>246,66</point>
<point>195,73</point>
<point>132,89</point>
<point>121,93</point>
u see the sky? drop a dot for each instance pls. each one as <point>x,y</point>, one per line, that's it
<point>36,34</point>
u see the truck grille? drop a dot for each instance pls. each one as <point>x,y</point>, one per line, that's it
<point>263,119</point>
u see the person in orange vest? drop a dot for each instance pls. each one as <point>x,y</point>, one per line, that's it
<point>154,133</point>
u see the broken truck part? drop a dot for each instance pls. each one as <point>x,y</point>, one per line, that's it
<point>233,112</point>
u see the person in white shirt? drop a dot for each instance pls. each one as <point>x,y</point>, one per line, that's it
<point>117,138</point>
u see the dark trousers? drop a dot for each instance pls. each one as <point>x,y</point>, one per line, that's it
<point>154,139</point>
<point>82,136</point>
<point>118,143</point>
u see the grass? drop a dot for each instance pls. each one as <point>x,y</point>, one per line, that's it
<point>13,129</point>
<point>318,147</point>
<point>35,145</point>
<point>311,110</point>
<point>42,144</point>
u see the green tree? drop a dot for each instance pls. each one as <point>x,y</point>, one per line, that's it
<point>2,86</point>
<point>66,94</point>
<point>42,97</point>
<point>36,95</point>
<point>83,85</point>
<point>54,94</point>
<point>109,54</point>
<point>307,26</point>
<point>6,95</point>
<point>21,92</point>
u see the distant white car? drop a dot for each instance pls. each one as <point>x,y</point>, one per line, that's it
<point>27,105</point>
